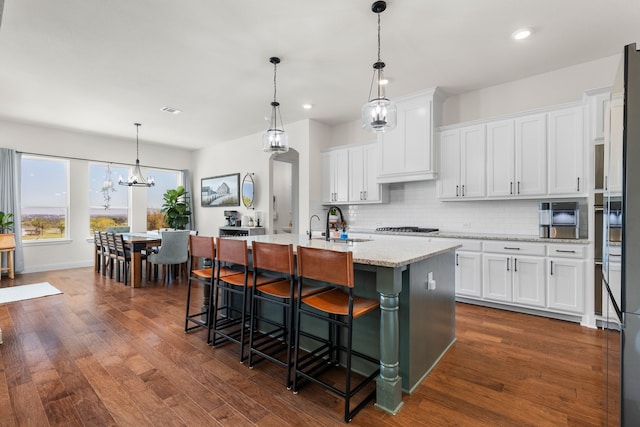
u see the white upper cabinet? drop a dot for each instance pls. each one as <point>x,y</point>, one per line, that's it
<point>566,152</point>
<point>462,161</point>
<point>335,176</point>
<point>363,172</point>
<point>517,157</point>
<point>613,146</point>
<point>406,153</point>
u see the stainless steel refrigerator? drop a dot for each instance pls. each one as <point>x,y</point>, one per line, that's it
<point>621,240</point>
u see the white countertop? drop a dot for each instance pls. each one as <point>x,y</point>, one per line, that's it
<point>475,236</point>
<point>383,253</point>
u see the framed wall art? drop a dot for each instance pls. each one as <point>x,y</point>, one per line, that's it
<point>223,190</point>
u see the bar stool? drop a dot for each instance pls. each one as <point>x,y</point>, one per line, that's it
<point>8,246</point>
<point>200,248</point>
<point>226,324</point>
<point>275,340</point>
<point>338,307</point>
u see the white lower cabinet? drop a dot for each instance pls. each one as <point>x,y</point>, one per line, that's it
<point>516,279</point>
<point>565,285</point>
<point>469,273</point>
<point>545,277</point>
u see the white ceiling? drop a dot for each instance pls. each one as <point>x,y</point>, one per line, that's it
<point>99,66</point>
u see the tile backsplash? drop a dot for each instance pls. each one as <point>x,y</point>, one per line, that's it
<point>417,204</point>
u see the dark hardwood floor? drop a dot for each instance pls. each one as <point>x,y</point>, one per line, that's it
<point>104,354</point>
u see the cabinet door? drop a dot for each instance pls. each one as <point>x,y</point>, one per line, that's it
<point>469,274</point>
<point>449,181</point>
<point>356,174</point>
<point>472,165</point>
<point>335,176</point>
<point>566,152</point>
<point>530,156</point>
<point>370,187</point>
<point>500,155</point>
<point>496,277</point>
<point>565,285</point>
<point>340,162</point>
<point>406,153</point>
<point>327,179</point>
<point>529,282</point>
<point>613,146</point>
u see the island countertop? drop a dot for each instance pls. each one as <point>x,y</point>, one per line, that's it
<point>383,253</point>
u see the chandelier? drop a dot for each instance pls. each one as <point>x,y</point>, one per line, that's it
<point>137,179</point>
<point>107,186</point>
<point>274,140</point>
<point>379,114</point>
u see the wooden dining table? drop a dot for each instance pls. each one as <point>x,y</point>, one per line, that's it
<point>137,242</point>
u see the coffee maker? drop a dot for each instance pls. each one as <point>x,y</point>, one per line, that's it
<point>232,218</point>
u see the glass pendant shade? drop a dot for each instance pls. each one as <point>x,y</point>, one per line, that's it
<point>379,114</point>
<point>275,140</point>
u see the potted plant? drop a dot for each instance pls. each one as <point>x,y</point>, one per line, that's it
<point>333,215</point>
<point>176,208</point>
<point>6,223</point>
<point>6,226</point>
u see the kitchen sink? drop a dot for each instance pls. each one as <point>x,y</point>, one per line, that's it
<point>349,240</point>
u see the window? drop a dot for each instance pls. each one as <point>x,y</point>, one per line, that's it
<point>107,206</point>
<point>44,198</point>
<point>165,179</point>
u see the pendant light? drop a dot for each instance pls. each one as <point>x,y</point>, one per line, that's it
<point>107,187</point>
<point>275,140</point>
<point>379,114</point>
<point>137,179</point>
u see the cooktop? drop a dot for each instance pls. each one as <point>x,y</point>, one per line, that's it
<point>407,229</point>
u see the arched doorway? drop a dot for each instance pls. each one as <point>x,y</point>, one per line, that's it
<point>284,192</point>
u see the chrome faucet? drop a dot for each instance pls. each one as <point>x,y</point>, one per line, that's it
<point>310,232</point>
<point>326,234</point>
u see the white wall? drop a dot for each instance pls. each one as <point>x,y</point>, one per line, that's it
<point>539,91</point>
<point>78,250</point>
<point>245,155</point>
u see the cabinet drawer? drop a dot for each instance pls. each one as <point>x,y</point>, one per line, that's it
<point>469,245</point>
<point>515,248</point>
<point>566,251</point>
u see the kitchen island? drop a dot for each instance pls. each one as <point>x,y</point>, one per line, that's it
<point>415,283</point>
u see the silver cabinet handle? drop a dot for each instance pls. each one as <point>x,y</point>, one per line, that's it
<point>578,183</point>
<point>551,268</point>
<point>565,251</point>
<point>510,187</point>
<point>518,187</point>
<point>457,259</point>
<point>512,248</point>
<point>457,194</point>
<point>515,264</point>
<point>365,194</point>
<point>462,190</point>
<point>508,263</point>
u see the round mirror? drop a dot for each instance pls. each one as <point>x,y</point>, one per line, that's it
<point>247,190</point>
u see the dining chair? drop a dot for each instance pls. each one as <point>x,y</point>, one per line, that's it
<point>174,250</point>
<point>98,252</point>
<point>339,307</point>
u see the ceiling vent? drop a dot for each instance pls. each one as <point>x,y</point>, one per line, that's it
<point>171,110</point>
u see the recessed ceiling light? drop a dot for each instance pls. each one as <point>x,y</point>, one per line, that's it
<point>171,110</point>
<point>521,34</point>
<point>307,106</point>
